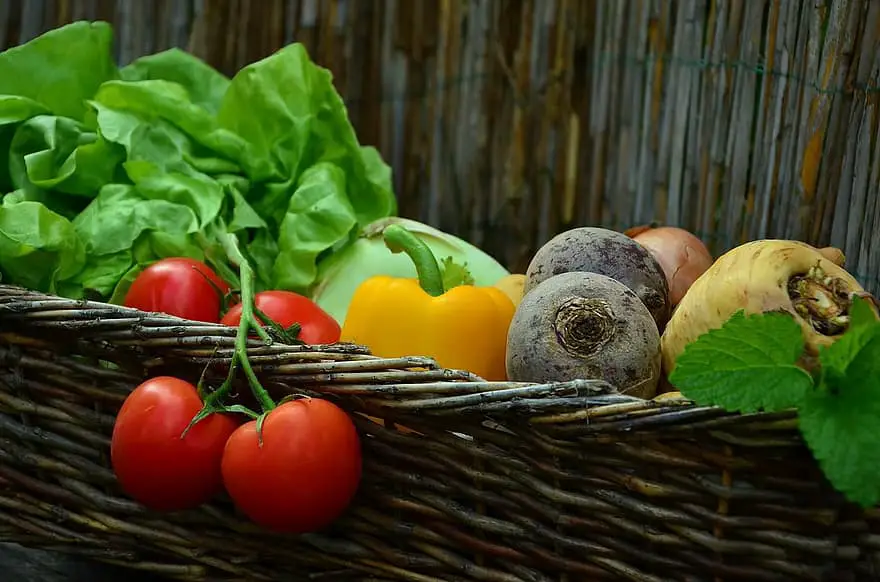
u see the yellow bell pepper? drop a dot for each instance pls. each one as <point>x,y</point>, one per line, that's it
<point>441,315</point>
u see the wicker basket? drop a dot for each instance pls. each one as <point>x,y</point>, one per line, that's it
<point>502,483</point>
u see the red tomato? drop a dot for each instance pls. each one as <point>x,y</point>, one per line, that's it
<point>152,463</point>
<point>306,471</point>
<point>286,308</point>
<point>178,286</point>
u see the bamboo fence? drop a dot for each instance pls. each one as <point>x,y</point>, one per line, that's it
<point>507,121</point>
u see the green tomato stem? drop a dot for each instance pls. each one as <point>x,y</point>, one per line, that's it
<point>248,322</point>
<point>213,402</point>
<point>261,331</point>
<point>399,240</point>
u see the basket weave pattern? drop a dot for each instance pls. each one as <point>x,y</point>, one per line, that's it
<point>503,482</point>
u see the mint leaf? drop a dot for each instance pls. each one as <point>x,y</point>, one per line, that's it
<point>746,365</point>
<point>839,421</point>
<point>836,359</point>
<point>861,314</point>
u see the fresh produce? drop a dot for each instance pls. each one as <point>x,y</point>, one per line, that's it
<point>312,325</point>
<point>295,466</point>
<point>763,276</point>
<point>179,286</point>
<point>513,286</point>
<point>303,474</point>
<point>153,463</point>
<point>753,362</point>
<point>682,256</point>
<point>834,255</point>
<point>636,230</point>
<point>106,170</point>
<point>605,252</point>
<point>163,183</point>
<point>367,256</point>
<point>588,326</point>
<point>439,315</point>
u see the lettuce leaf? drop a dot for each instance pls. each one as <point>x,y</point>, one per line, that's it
<point>105,170</point>
<point>204,85</point>
<point>38,247</point>
<point>61,69</point>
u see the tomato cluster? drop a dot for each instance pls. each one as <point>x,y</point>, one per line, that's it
<point>295,471</point>
<point>192,290</point>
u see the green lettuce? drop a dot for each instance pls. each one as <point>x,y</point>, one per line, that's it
<point>105,169</point>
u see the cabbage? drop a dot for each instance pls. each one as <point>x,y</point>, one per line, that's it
<point>340,274</point>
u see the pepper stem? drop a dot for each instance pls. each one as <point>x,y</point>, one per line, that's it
<point>399,240</point>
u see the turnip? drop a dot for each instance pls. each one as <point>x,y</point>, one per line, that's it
<point>833,254</point>
<point>605,252</point>
<point>762,276</point>
<point>584,326</point>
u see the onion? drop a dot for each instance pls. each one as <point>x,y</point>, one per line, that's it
<point>637,230</point>
<point>682,256</point>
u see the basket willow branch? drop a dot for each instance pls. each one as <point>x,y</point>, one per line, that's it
<point>488,481</point>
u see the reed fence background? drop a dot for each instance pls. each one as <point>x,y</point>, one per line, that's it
<point>507,121</point>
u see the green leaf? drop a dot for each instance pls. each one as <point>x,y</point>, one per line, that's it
<point>15,109</point>
<point>454,274</point>
<point>835,360</point>
<point>60,69</point>
<point>60,154</point>
<point>100,274</point>
<point>839,422</point>
<point>173,244</point>
<point>37,246</point>
<point>318,215</point>
<point>212,165</point>
<point>263,250</point>
<point>378,174</point>
<point>204,85</point>
<point>746,365</point>
<point>861,313</point>
<point>192,190</point>
<point>243,214</point>
<point>288,110</point>
<point>59,203</point>
<point>121,213</point>
<point>312,182</point>
<point>153,140</point>
<point>156,162</point>
<point>168,157</point>
<point>159,102</point>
